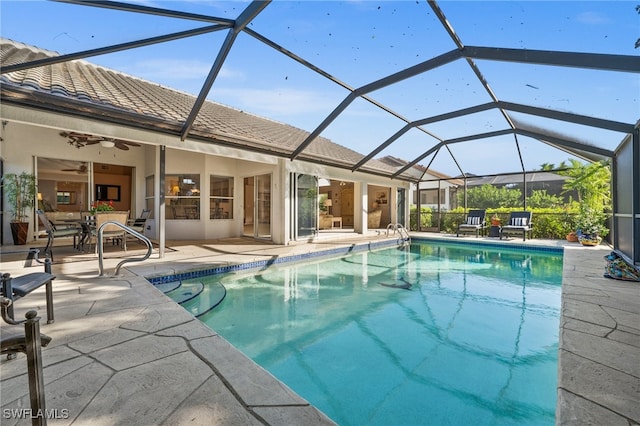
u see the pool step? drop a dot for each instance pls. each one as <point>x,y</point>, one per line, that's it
<point>188,290</point>
<point>209,298</point>
<point>167,287</point>
<point>194,296</point>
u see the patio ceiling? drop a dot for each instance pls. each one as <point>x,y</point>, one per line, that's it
<point>524,89</point>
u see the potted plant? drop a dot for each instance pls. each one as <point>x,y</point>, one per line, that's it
<point>495,220</point>
<point>590,226</point>
<point>21,194</point>
<point>101,206</point>
<point>572,237</point>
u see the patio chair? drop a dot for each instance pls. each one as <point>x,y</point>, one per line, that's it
<point>475,223</point>
<point>139,223</point>
<point>14,288</point>
<point>519,223</point>
<point>29,341</point>
<point>111,232</point>
<point>58,231</point>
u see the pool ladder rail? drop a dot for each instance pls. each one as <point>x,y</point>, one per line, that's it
<point>129,231</point>
<point>405,238</point>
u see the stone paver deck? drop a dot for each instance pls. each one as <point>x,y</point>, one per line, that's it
<point>123,353</point>
<point>599,358</point>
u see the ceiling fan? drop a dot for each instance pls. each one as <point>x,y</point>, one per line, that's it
<point>80,140</point>
<point>81,170</point>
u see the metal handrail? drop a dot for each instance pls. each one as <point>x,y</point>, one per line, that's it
<point>130,231</point>
<point>404,232</point>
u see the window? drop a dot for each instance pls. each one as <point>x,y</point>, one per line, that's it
<point>429,197</point>
<point>107,192</point>
<point>65,197</point>
<point>220,197</point>
<point>182,195</point>
<point>149,193</point>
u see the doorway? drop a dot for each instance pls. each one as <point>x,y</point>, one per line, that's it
<point>257,206</point>
<point>306,206</point>
<point>66,186</point>
<point>63,186</point>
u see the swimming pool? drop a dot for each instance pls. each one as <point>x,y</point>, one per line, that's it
<point>474,338</point>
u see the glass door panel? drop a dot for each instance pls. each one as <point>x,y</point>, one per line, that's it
<point>263,206</point>
<point>257,206</point>
<point>249,210</point>
<point>400,207</point>
<point>307,205</point>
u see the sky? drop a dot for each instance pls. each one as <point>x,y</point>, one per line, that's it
<point>359,42</point>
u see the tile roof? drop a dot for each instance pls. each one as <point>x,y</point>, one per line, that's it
<point>80,87</point>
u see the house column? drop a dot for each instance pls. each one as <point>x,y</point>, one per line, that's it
<point>360,207</point>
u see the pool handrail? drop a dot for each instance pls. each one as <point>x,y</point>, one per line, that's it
<point>404,232</point>
<point>130,231</point>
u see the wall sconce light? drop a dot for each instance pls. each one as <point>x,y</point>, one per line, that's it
<point>175,190</point>
<point>39,196</point>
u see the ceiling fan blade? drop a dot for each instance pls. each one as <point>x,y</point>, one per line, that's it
<point>122,146</point>
<point>90,142</point>
<point>131,143</point>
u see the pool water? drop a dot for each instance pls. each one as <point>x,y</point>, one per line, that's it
<point>429,334</point>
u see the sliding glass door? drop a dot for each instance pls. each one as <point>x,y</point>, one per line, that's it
<point>257,206</point>
<point>306,205</point>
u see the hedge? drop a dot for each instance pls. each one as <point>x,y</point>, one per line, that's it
<point>548,223</point>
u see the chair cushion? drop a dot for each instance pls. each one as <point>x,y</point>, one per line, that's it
<point>66,232</point>
<point>518,221</point>
<point>473,220</point>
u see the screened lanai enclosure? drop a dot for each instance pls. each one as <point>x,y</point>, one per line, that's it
<point>448,93</point>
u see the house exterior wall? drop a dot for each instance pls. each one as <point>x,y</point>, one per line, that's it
<point>22,143</point>
<point>27,134</point>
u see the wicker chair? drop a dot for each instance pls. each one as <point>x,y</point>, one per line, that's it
<point>111,232</point>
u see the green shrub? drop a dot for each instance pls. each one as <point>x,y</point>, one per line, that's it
<point>425,218</point>
<point>548,223</point>
<point>452,219</point>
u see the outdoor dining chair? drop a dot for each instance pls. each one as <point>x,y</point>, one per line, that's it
<point>111,232</point>
<point>58,231</point>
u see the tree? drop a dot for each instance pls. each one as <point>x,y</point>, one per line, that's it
<point>591,182</point>
<point>540,199</point>
<point>549,167</point>
<point>488,196</point>
<point>638,40</point>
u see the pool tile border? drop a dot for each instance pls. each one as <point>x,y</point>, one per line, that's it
<point>489,244</point>
<point>339,251</point>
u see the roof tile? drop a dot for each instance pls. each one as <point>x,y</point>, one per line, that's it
<point>79,80</point>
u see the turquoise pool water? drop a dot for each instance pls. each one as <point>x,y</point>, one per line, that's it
<point>474,340</point>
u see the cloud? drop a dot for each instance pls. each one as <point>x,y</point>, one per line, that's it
<point>593,18</point>
<point>172,69</point>
<point>177,71</point>
<point>273,102</point>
